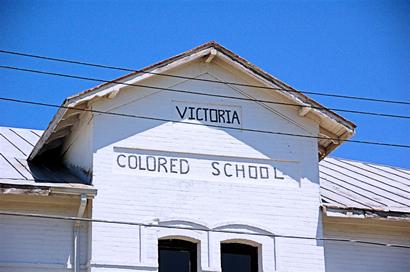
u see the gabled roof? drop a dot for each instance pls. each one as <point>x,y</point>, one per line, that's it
<point>360,188</point>
<point>332,125</point>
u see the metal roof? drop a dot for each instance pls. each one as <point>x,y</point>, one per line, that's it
<point>345,184</point>
<point>348,184</point>
<point>16,172</point>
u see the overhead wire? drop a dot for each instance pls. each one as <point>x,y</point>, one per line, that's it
<point>177,121</point>
<point>200,93</point>
<point>198,79</point>
<point>155,225</point>
<point>200,124</point>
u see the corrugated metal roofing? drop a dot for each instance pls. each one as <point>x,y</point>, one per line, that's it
<point>351,184</point>
<point>345,184</point>
<point>15,146</point>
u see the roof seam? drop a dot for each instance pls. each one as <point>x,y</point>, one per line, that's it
<point>21,174</point>
<point>21,137</point>
<point>347,197</point>
<point>369,177</point>
<point>28,170</point>
<point>383,204</point>
<point>380,169</point>
<point>371,185</point>
<point>15,146</point>
<point>35,133</point>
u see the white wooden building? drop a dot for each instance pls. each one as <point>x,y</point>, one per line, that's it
<point>190,177</point>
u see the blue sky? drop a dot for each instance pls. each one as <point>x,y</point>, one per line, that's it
<point>359,48</point>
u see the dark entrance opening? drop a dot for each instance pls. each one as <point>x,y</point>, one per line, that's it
<point>239,258</point>
<point>177,256</point>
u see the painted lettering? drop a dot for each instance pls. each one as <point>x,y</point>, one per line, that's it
<point>206,114</point>
<point>132,162</point>
<point>181,114</point>
<point>221,116</point>
<point>118,160</point>
<point>197,114</point>
<point>253,171</point>
<point>228,118</point>
<point>226,172</point>
<point>151,166</point>
<point>173,166</point>
<point>140,164</point>
<point>277,175</point>
<point>183,167</point>
<point>214,166</point>
<point>235,117</point>
<point>264,172</point>
<point>191,116</point>
<point>214,115</point>
<point>242,170</point>
<point>201,168</point>
<point>245,171</point>
<point>162,163</point>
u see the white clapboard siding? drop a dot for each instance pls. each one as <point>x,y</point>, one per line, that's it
<point>340,257</point>
<point>199,198</point>
<point>39,244</point>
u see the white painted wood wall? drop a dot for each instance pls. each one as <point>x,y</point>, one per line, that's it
<point>284,208</point>
<point>38,244</point>
<point>361,257</point>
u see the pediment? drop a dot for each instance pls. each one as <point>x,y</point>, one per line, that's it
<point>202,66</point>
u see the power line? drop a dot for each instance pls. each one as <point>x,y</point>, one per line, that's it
<point>130,223</point>
<point>200,93</point>
<point>200,124</point>
<point>198,79</point>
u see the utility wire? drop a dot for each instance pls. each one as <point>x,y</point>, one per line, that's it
<point>200,124</point>
<point>82,219</point>
<point>199,93</point>
<point>198,79</point>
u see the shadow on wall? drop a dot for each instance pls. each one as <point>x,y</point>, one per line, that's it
<point>182,140</point>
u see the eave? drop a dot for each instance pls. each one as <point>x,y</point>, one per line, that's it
<point>346,212</point>
<point>47,189</point>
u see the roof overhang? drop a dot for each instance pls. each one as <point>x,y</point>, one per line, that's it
<point>334,129</point>
<point>343,212</point>
<point>47,189</point>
